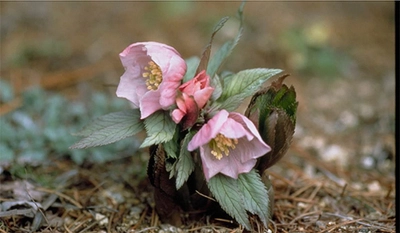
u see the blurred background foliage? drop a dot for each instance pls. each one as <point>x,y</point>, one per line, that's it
<point>42,128</point>
<point>60,67</point>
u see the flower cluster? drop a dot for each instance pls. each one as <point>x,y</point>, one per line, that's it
<point>195,135</point>
<point>229,143</point>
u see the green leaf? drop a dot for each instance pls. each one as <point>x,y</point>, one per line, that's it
<point>191,63</point>
<point>218,26</point>
<point>159,127</point>
<point>255,196</point>
<point>273,111</point>
<point>285,99</point>
<point>207,51</point>
<point>185,165</point>
<point>109,129</point>
<point>219,57</point>
<point>216,83</point>
<point>230,105</point>
<point>240,196</point>
<point>245,83</point>
<point>171,146</point>
<point>8,133</point>
<point>170,166</point>
<point>226,191</point>
<point>7,154</point>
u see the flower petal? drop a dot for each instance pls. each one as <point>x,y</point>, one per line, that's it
<point>208,131</point>
<point>199,94</point>
<point>230,166</point>
<point>131,88</point>
<point>177,115</point>
<point>238,156</point>
<point>133,85</point>
<point>248,123</point>
<point>202,96</point>
<point>149,104</point>
<point>233,129</point>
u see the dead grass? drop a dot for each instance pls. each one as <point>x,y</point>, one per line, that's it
<point>101,199</point>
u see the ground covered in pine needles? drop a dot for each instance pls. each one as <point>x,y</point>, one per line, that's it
<point>338,175</point>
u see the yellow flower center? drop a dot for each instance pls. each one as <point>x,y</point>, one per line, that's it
<point>220,145</point>
<point>153,76</point>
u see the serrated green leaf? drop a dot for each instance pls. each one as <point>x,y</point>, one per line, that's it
<point>230,197</point>
<point>171,168</point>
<point>185,165</point>
<point>240,196</point>
<point>171,146</point>
<point>102,121</point>
<point>219,57</point>
<point>255,195</point>
<point>247,82</point>
<point>159,127</point>
<point>242,85</point>
<point>109,129</point>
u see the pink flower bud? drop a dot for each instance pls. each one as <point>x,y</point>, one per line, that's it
<point>195,94</point>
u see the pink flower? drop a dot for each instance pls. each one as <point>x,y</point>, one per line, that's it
<point>194,96</point>
<point>187,110</point>
<point>229,143</point>
<point>153,73</point>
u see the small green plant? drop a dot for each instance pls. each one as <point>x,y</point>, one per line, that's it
<point>42,128</point>
<point>198,142</point>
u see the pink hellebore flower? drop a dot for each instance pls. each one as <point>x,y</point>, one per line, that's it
<point>229,143</point>
<point>153,73</point>
<point>193,96</point>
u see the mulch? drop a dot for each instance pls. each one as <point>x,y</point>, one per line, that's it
<point>99,198</point>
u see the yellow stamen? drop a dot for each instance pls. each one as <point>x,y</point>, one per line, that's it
<point>220,146</point>
<point>153,76</point>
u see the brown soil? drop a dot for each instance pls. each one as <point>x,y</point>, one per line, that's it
<point>338,175</point>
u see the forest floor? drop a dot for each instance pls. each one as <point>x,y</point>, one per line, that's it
<point>338,175</point>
